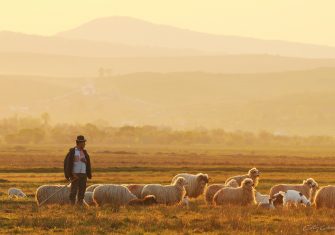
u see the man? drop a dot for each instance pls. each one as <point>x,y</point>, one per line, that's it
<point>77,168</point>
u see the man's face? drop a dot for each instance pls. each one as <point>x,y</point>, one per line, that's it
<point>81,145</point>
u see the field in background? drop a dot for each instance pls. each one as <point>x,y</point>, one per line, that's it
<point>28,167</point>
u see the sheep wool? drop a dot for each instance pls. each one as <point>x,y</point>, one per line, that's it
<point>115,195</point>
<point>212,189</point>
<point>195,183</point>
<point>45,191</point>
<point>169,194</point>
<point>325,197</point>
<point>243,195</point>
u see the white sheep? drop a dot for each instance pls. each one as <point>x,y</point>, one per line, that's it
<point>294,197</point>
<point>266,205</point>
<point>213,188</point>
<point>168,194</point>
<point>262,198</point>
<point>252,174</point>
<point>243,195</point>
<point>15,192</point>
<point>195,183</point>
<point>307,188</point>
<point>45,191</point>
<point>112,194</point>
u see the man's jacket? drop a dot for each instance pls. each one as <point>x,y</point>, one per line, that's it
<point>68,164</point>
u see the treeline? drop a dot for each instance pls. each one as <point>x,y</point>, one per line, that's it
<point>30,130</point>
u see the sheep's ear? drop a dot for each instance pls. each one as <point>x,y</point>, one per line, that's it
<point>300,194</point>
<point>282,193</point>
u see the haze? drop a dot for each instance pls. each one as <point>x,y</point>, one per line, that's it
<point>234,65</point>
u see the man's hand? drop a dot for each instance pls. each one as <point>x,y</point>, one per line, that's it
<point>83,160</point>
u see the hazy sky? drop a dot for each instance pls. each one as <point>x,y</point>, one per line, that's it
<point>293,20</point>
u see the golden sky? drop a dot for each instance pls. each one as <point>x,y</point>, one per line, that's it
<point>292,20</point>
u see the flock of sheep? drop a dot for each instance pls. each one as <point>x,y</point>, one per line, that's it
<point>237,190</point>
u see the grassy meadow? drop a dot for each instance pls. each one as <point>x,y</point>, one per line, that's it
<point>28,167</point>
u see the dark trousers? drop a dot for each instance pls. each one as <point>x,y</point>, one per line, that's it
<point>78,187</point>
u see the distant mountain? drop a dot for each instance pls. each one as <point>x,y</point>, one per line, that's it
<point>18,42</point>
<point>137,32</point>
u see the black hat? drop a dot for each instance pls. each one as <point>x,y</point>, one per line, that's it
<point>80,138</point>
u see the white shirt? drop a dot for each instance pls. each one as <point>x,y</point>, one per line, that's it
<point>78,165</point>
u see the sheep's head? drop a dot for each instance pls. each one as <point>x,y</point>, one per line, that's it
<point>278,198</point>
<point>248,183</point>
<point>21,194</point>
<point>254,173</point>
<point>202,179</point>
<point>304,200</point>
<point>181,181</point>
<point>311,183</point>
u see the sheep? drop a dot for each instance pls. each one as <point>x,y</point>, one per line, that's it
<point>277,199</point>
<point>195,183</point>
<point>307,188</point>
<point>169,194</point>
<point>135,189</point>
<point>115,195</point>
<point>146,201</point>
<point>252,174</point>
<point>15,192</point>
<point>243,195</point>
<point>294,197</point>
<point>88,198</point>
<point>92,187</point>
<point>45,191</point>
<point>266,205</point>
<point>261,198</point>
<point>325,197</point>
<point>212,189</point>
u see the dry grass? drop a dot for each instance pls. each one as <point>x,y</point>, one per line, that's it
<point>30,167</point>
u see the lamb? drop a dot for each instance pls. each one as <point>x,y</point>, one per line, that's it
<point>15,192</point>
<point>146,201</point>
<point>92,187</point>
<point>293,197</point>
<point>135,189</point>
<point>88,198</point>
<point>195,183</point>
<point>266,205</point>
<point>45,191</point>
<point>307,188</point>
<point>115,195</point>
<point>325,197</point>
<point>169,194</point>
<point>277,199</point>
<point>261,198</point>
<point>252,174</point>
<point>212,189</point>
<point>243,195</point>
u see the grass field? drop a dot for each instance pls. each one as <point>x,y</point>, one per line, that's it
<point>28,167</point>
